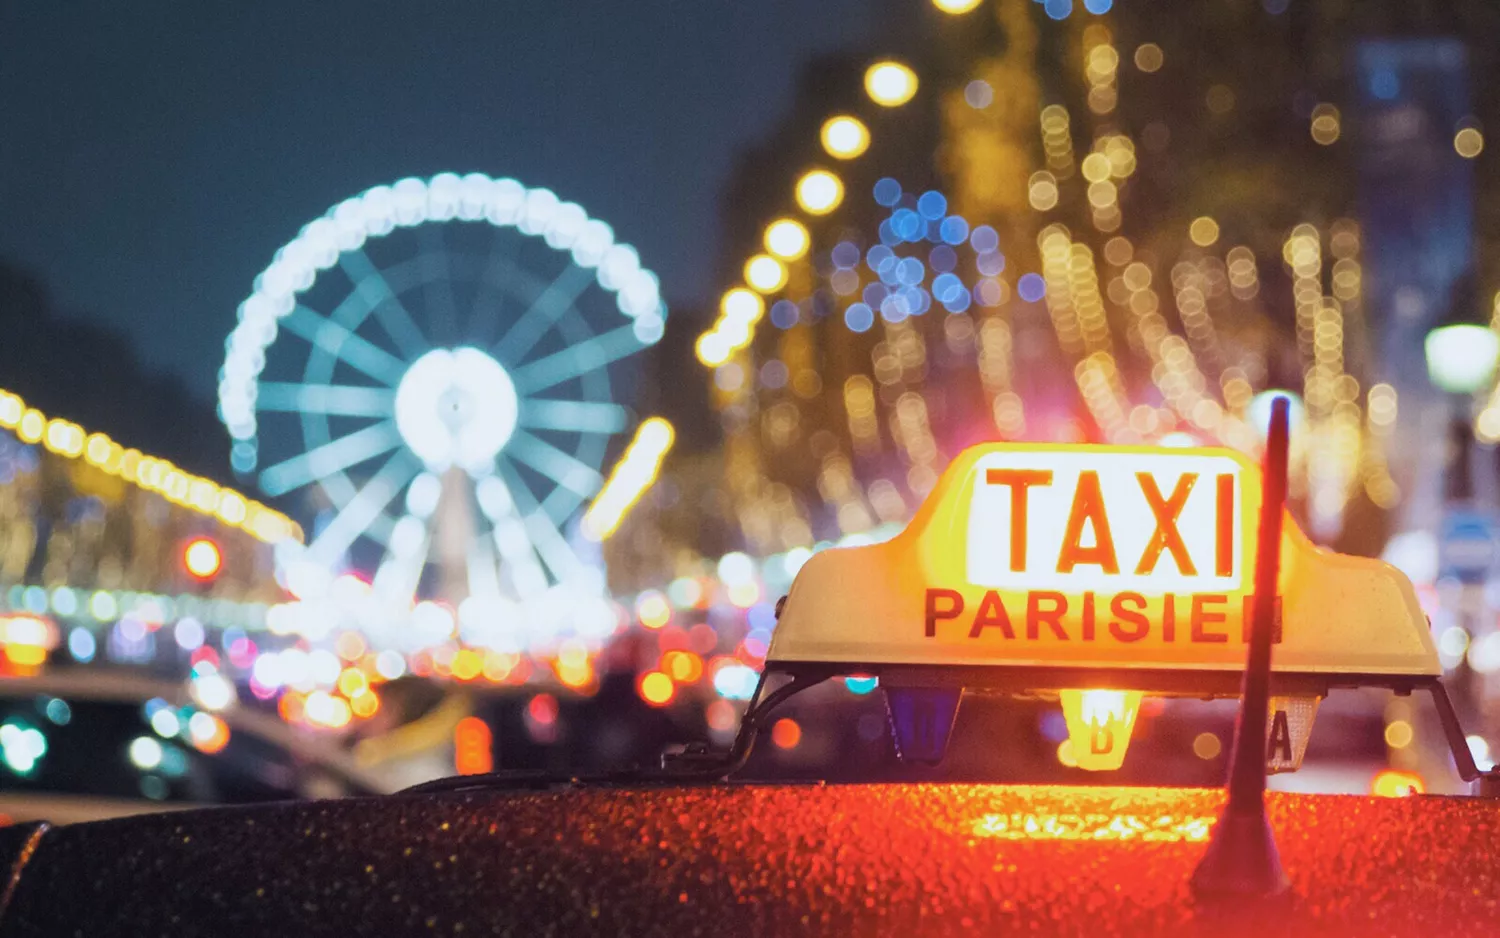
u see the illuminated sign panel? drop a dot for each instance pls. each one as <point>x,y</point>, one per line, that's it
<point>1096,557</point>
<point>1132,522</point>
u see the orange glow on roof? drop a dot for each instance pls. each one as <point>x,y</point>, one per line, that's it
<point>1035,826</point>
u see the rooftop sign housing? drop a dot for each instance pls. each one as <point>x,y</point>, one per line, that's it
<point>1098,559</point>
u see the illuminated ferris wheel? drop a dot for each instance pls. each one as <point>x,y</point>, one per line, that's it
<point>444,349</point>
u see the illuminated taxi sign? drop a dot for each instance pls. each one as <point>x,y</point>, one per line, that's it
<point>1078,521</point>
<point>1098,559</point>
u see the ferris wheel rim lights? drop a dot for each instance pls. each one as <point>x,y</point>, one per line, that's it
<point>380,210</point>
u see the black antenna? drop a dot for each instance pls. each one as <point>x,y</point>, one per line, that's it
<point>1241,861</point>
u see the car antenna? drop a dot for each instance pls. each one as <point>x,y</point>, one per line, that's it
<point>1241,860</point>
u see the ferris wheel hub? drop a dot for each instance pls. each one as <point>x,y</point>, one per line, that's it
<point>456,407</point>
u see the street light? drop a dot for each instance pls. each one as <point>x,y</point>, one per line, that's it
<point>1461,357</point>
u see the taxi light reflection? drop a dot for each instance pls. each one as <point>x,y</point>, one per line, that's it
<point>1021,825</point>
<point>1099,726</point>
<point>1393,783</point>
<point>472,747</point>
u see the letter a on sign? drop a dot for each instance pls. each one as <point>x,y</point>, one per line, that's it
<point>1287,731</point>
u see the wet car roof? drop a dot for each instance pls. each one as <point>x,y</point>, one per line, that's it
<point>773,860</point>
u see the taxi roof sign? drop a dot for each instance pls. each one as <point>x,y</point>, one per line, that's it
<point>1100,574</point>
<point>1110,559</point>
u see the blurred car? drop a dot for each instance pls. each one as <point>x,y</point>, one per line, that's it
<point>78,746</point>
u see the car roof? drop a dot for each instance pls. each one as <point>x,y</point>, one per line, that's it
<point>744,859</point>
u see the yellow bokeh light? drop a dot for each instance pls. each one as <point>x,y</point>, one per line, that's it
<point>1325,127</point>
<point>845,137</point>
<point>657,688</point>
<point>956,7</point>
<point>1468,142</point>
<point>787,239</point>
<point>741,306</point>
<point>1148,57</point>
<point>1096,167</point>
<point>890,84</point>
<point>765,273</point>
<point>1204,231</point>
<point>819,192</point>
<point>1398,734</point>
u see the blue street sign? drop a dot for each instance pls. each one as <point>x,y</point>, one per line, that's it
<point>1467,545</point>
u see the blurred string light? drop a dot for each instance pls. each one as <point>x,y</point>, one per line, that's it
<point>630,478</point>
<point>819,192</point>
<point>845,137</point>
<point>204,496</point>
<point>890,83</point>
<point>787,239</point>
<point>1468,142</point>
<point>765,273</point>
<point>956,7</point>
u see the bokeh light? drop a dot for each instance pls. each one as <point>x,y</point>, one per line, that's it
<point>765,273</point>
<point>890,83</point>
<point>819,192</point>
<point>787,239</point>
<point>1468,142</point>
<point>845,137</point>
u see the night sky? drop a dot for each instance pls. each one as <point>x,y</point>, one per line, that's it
<point>153,155</point>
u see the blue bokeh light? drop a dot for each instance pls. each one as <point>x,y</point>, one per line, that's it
<point>942,259</point>
<point>1031,287</point>
<point>954,229</point>
<point>932,205</point>
<point>887,192</point>
<point>859,317</point>
<point>784,314</point>
<point>985,239</point>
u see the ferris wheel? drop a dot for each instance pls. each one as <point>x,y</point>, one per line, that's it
<point>441,353</point>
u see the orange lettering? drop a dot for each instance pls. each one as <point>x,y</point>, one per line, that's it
<point>1166,536</point>
<point>1102,740</point>
<point>1088,506</point>
<point>1019,480</point>
<point>991,615</point>
<point>1202,617</point>
<point>1224,527</point>
<point>934,614</point>
<point>1036,615</point>
<point>1169,618</point>
<point>1088,617</point>
<point>1132,616</point>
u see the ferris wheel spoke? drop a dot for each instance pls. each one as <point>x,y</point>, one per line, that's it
<point>489,298</point>
<point>580,359</point>
<point>331,457</point>
<point>545,536</point>
<point>573,416</point>
<point>399,575</point>
<point>337,399</point>
<point>563,468</point>
<point>360,354</point>
<point>437,290</point>
<point>545,310</point>
<point>362,510</point>
<point>394,317</point>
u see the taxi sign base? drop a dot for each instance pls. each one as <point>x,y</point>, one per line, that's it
<point>1241,861</point>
